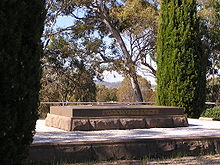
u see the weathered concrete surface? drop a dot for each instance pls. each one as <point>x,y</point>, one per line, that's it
<point>135,123</point>
<point>114,110</point>
<point>179,121</point>
<point>123,149</point>
<point>105,124</point>
<point>165,122</point>
<point>57,121</point>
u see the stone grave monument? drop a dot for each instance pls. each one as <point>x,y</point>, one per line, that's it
<point>106,117</point>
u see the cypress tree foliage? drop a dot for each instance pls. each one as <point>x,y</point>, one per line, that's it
<point>21,26</point>
<point>181,68</point>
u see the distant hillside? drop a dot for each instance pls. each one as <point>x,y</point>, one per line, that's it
<point>115,84</point>
<point>108,84</point>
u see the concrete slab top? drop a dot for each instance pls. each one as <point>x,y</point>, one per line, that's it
<point>196,128</point>
<point>114,110</point>
<point>97,107</point>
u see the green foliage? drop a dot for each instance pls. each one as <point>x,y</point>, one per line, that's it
<point>125,27</point>
<point>126,94</point>
<point>209,12</point>
<point>136,15</point>
<point>66,75</point>
<point>43,110</point>
<point>212,113</point>
<point>105,94</point>
<point>21,28</point>
<point>213,89</point>
<point>181,68</point>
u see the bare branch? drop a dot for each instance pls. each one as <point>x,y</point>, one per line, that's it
<point>58,32</point>
<point>152,70</point>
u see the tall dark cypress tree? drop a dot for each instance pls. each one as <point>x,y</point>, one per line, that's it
<point>181,67</point>
<point>21,26</point>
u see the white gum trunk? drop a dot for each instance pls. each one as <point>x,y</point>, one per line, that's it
<point>136,88</point>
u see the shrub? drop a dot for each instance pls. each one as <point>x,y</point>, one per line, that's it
<point>20,51</point>
<point>212,112</point>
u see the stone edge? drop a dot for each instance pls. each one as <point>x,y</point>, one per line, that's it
<point>123,149</point>
<point>109,123</point>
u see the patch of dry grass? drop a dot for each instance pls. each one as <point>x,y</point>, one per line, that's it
<point>190,160</point>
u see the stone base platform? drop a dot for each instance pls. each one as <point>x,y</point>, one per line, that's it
<point>90,118</point>
<point>123,149</point>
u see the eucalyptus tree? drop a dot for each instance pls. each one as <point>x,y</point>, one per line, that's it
<point>126,27</point>
<point>105,94</point>
<point>125,93</point>
<point>67,75</point>
<point>209,12</point>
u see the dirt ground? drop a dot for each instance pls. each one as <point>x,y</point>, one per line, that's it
<point>198,160</point>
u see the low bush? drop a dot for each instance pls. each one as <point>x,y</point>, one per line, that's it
<point>212,112</point>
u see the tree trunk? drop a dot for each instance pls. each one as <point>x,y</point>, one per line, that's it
<point>128,58</point>
<point>136,88</point>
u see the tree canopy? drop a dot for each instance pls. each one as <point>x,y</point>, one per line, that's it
<point>128,34</point>
<point>125,92</point>
<point>209,12</point>
<point>105,94</point>
<point>67,76</point>
<point>121,34</point>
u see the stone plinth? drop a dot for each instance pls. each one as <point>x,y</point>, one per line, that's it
<point>123,149</point>
<point>89,118</point>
